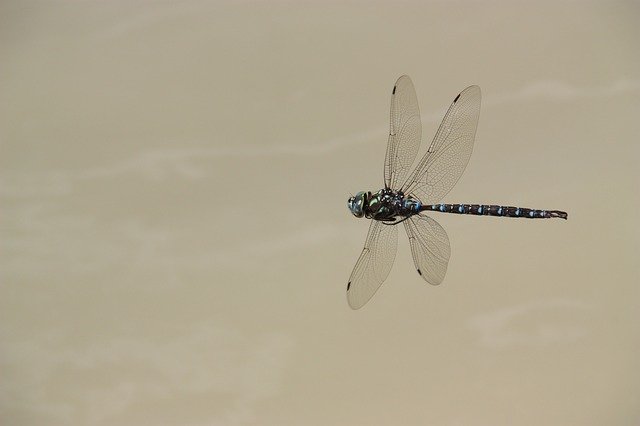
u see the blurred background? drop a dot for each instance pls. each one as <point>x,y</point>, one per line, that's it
<point>175,242</point>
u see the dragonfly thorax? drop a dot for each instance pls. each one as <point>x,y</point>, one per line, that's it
<point>384,205</point>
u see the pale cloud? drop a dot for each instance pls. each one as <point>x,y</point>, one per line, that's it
<point>146,17</point>
<point>79,240</point>
<point>527,324</point>
<point>558,91</point>
<point>162,164</point>
<point>100,385</point>
<point>190,163</point>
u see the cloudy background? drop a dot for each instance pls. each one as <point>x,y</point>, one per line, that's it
<point>175,242</point>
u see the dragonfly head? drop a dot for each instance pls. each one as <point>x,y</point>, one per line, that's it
<point>356,204</point>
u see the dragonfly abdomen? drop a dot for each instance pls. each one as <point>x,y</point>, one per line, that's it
<point>494,210</point>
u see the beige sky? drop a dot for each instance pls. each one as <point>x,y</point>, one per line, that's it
<point>175,242</point>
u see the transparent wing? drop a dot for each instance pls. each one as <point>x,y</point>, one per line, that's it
<point>405,133</point>
<point>447,157</point>
<point>429,246</point>
<point>373,265</point>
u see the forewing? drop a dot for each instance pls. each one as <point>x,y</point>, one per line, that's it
<point>373,265</point>
<point>429,247</point>
<point>405,133</point>
<point>447,157</point>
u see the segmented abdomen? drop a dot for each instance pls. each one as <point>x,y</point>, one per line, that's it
<point>493,210</point>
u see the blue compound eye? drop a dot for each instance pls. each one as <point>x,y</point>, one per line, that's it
<point>356,204</point>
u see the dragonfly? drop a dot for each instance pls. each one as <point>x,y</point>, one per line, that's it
<point>407,196</point>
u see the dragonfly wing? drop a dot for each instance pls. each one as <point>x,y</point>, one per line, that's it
<point>429,246</point>
<point>447,157</point>
<point>405,132</point>
<point>373,265</point>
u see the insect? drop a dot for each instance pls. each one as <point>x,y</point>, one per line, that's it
<point>405,197</point>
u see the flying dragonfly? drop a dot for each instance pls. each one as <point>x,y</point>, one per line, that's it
<point>405,197</point>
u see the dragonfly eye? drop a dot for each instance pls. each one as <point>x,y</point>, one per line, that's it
<point>356,204</point>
